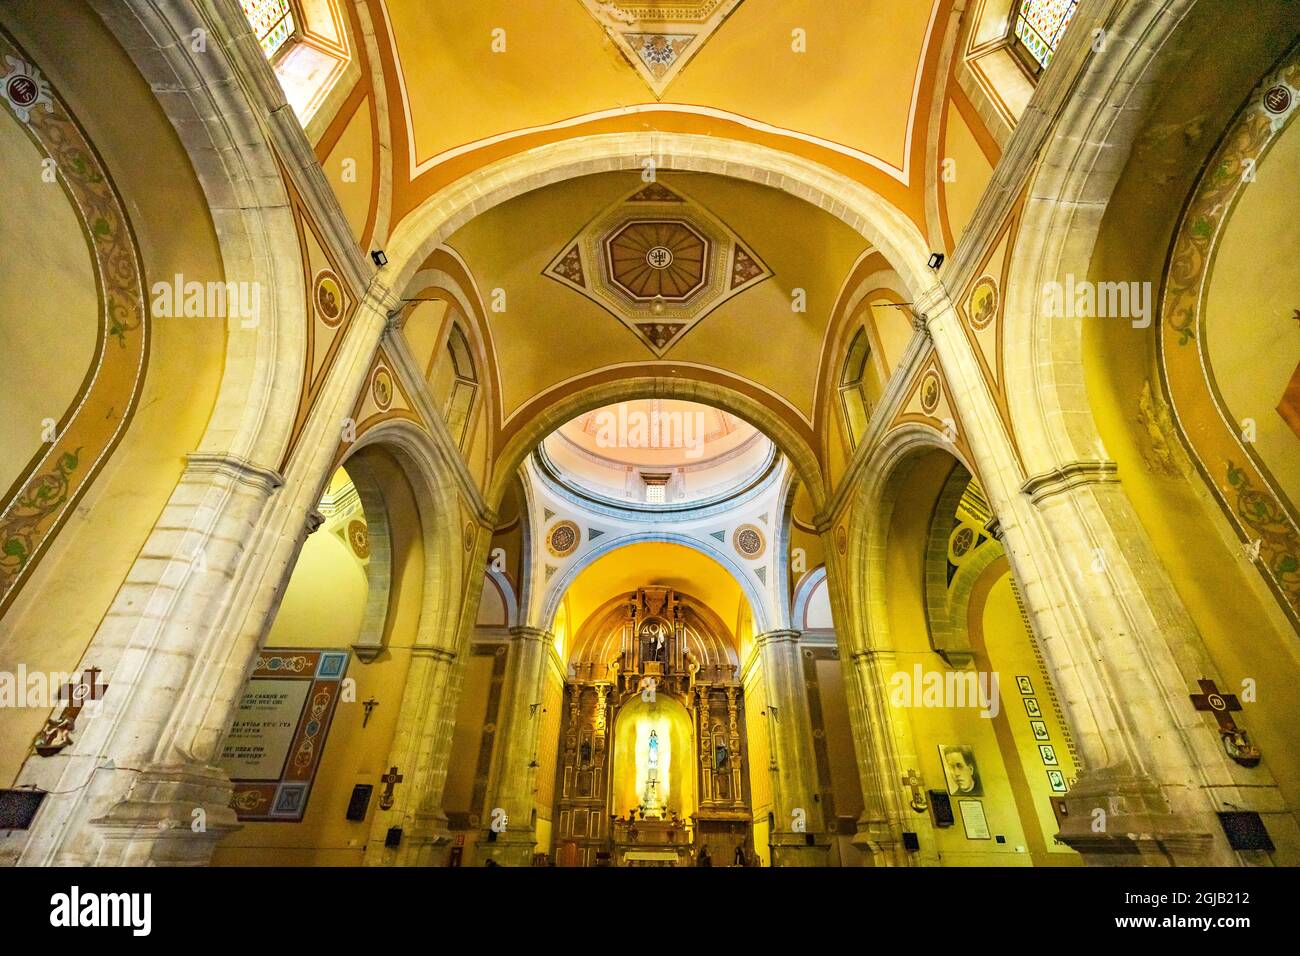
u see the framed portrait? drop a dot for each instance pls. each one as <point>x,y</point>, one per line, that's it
<point>960,770</point>
<point>1024,686</point>
<point>1039,727</point>
<point>1032,708</point>
<point>1048,753</point>
<point>973,819</point>
<point>1057,781</point>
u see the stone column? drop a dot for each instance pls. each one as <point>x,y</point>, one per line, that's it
<point>420,752</point>
<point>884,745</point>
<point>794,780</point>
<point>513,786</point>
<point>1122,648</point>
<point>140,784</point>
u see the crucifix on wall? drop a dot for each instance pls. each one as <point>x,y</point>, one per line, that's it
<point>1235,741</point>
<point>390,780</point>
<point>57,732</point>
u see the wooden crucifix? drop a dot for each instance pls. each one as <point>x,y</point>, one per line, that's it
<point>1235,742</point>
<point>390,780</point>
<point>57,732</point>
<point>913,782</point>
<point>368,706</point>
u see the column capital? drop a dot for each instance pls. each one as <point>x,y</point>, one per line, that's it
<point>234,468</point>
<point>1068,476</point>
<point>526,632</point>
<point>779,636</point>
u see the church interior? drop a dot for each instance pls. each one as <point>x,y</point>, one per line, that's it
<point>650,433</point>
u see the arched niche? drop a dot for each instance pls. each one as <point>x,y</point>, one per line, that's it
<point>668,719</point>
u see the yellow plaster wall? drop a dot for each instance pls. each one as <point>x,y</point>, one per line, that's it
<point>58,610</point>
<point>350,168</point>
<point>971,172</point>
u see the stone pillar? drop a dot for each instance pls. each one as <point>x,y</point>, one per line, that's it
<point>140,785</point>
<point>884,745</point>
<point>794,779</point>
<point>420,752</point>
<point>513,787</point>
<point>1122,648</point>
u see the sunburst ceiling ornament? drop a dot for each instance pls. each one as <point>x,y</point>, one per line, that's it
<point>659,37</point>
<point>659,263</point>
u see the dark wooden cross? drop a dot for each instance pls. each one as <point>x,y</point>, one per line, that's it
<point>368,706</point>
<point>1221,705</point>
<point>913,782</point>
<point>86,688</point>
<point>390,780</point>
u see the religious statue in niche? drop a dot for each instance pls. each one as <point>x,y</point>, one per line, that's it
<point>585,754</point>
<point>720,757</point>
<point>655,636</point>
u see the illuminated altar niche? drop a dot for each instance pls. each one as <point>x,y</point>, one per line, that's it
<point>632,729</point>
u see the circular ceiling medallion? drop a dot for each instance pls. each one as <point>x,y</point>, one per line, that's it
<point>930,392</point>
<point>983,306</point>
<point>1277,100</point>
<point>328,296</point>
<point>658,258</point>
<point>21,90</point>
<point>381,388</point>
<point>359,538</point>
<point>563,539</point>
<point>470,535</point>
<point>962,540</point>
<point>749,541</point>
<point>841,539</point>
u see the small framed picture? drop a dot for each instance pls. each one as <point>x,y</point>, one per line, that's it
<point>1039,727</point>
<point>1032,708</point>
<point>1025,687</point>
<point>1048,753</point>
<point>973,820</point>
<point>1057,781</point>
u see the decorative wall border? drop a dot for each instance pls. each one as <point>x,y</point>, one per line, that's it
<point>40,501</point>
<point>1239,480</point>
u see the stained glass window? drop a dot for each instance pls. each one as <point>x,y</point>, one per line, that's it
<point>1040,24</point>
<point>272,21</point>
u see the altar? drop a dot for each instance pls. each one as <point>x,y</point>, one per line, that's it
<point>651,842</point>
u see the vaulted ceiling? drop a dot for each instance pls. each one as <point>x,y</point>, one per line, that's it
<point>845,84</point>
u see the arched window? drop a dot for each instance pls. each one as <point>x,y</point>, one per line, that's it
<point>853,393</point>
<point>275,22</point>
<point>464,386</point>
<point>1038,28</point>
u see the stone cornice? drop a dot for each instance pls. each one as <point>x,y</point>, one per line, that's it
<point>1070,475</point>
<point>235,468</point>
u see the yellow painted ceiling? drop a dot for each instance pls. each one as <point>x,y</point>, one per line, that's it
<point>549,333</point>
<point>559,63</point>
<point>652,564</point>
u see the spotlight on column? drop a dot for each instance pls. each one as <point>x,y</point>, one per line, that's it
<point>381,260</point>
<point>936,260</point>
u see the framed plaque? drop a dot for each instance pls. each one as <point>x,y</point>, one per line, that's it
<point>276,739</point>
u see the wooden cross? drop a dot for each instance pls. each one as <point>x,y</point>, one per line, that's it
<point>57,732</point>
<point>913,782</point>
<point>368,706</point>
<point>390,780</point>
<point>77,694</point>
<point>1218,704</point>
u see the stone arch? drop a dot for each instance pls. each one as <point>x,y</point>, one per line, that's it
<point>255,228</point>
<point>1066,202</point>
<point>603,387</point>
<point>441,214</point>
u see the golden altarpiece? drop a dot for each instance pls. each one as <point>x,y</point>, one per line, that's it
<point>652,760</point>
